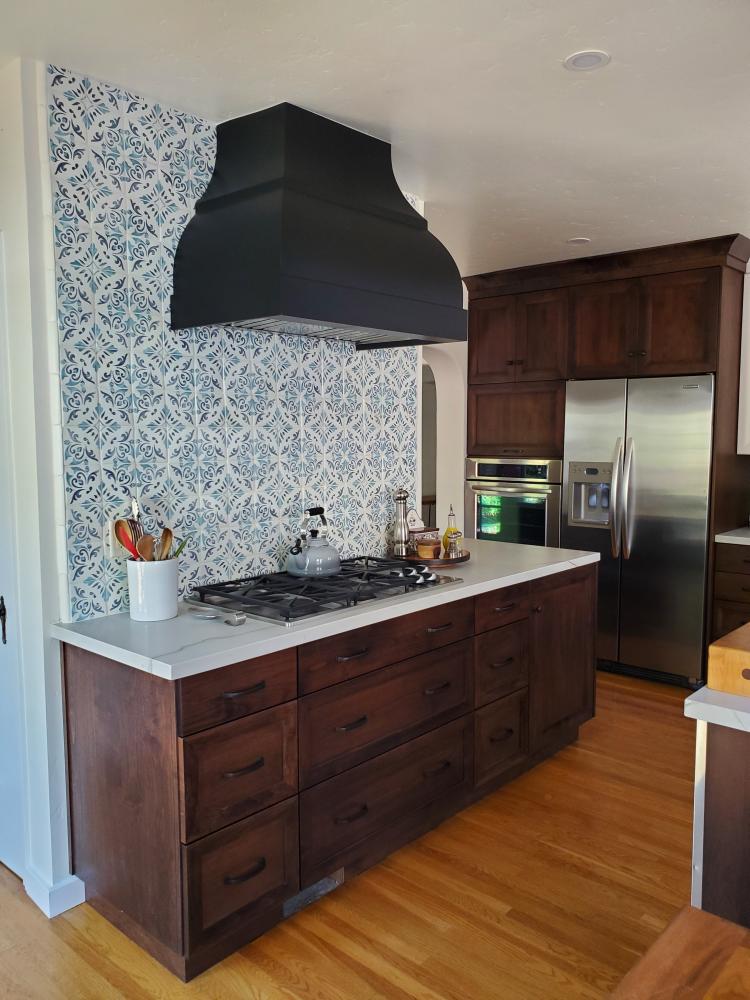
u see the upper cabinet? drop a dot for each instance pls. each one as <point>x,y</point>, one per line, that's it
<point>519,338</point>
<point>662,324</point>
<point>679,322</point>
<point>525,419</point>
<point>604,329</point>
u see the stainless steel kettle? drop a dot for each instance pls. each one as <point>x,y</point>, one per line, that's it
<point>313,555</point>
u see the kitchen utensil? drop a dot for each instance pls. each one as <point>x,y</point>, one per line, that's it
<point>429,549</point>
<point>313,556</point>
<point>401,525</point>
<point>123,536</point>
<point>165,544</point>
<point>145,547</point>
<point>454,550</point>
<point>179,549</point>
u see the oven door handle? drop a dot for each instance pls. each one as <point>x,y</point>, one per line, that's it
<point>514,490</point>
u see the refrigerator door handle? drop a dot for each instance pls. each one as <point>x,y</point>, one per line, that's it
<point>615,520</point>
<point>627,527</point>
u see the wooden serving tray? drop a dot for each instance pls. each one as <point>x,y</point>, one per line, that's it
<point>440,563</point>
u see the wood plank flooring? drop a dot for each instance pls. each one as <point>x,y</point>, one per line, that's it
<point>550,888</point>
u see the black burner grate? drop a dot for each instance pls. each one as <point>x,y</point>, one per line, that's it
<point>287,598</point>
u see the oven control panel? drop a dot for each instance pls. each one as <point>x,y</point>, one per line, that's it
<point>589,500</point>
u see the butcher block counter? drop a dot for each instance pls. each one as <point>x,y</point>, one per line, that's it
<point>221,778</point>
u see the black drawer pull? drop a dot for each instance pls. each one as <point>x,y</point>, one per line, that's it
<point>510,361</point>
<point>352,656</point>
<point>505,607</point>
<point>357,724</point>
<point>253,689</point>
<point>502,736</point>
<point>257,868</point>
<point>431,629</point>
<point>438,687</point>
<point>255,766</point>
<point>538,609</point>
<point>745,589</point>
<point>353,817</point>
<point>631,354</point>
<point>430,772</point>
<point>746,674</point>
<point>502,663</point>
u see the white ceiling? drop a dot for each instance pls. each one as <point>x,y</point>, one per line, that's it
<point>511,153</point>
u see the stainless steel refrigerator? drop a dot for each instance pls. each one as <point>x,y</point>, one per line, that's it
<point>636,481</point>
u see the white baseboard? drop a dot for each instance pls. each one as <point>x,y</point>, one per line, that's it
<point>54,899</point>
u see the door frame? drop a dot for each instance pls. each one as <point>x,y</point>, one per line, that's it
<point>11,594</point>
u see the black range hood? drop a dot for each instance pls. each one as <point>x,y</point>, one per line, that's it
<point>302,229</point>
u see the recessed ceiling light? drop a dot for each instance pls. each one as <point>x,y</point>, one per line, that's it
<point>586,59</point>
<point>579,240</point>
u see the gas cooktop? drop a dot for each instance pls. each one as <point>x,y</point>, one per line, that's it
<point>284,598</point>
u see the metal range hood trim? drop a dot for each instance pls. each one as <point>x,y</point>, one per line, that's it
<point>303,229</point>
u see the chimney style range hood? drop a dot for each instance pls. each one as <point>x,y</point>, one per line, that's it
<point>303,229</point>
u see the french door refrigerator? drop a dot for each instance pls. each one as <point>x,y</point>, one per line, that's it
<point>636,478</point>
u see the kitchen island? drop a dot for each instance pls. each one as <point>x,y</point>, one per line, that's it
<point>222,777</point>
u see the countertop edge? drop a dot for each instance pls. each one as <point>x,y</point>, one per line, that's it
<point>323,627</point>
<point>737,536</point>
<point>719,708</point>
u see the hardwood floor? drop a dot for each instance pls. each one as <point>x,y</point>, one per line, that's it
<point>550,888</point>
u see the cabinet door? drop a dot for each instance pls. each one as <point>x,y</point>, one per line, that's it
<point>492,339</point>
<point>542,335</point>
<point>522,419</point>
<point>604,330</point>
<point>561,668</point>
<point>679,322</point>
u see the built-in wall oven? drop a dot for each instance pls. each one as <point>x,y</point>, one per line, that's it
<point>513,500</point>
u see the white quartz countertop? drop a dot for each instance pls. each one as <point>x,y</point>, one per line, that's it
<point>738,536</point>
<point>719,708</point>
<point>188,645</point>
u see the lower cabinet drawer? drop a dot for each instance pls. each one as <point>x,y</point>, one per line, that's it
<point>346,724</point>
<point>357,817</point>
<point>732,587</point>
<point>732,558</point>
<point>237,875</point>
<point>500,736</point>
<point>237,769</point>
<point>501,607</point>
<point>729,616</point>
<point>501,662</point>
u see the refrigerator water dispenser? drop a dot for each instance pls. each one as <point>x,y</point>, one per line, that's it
<point>589,501</point>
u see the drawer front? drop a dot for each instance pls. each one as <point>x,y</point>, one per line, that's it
<point>347,724</point>
<point>237,769</point>
<point>217,696</point>
<point>728,617</point>
<point>732,558</point>
<point>732,587</point>
<point>232,875</point>
<point>501,662</point>
<point>330,661</point>
<point>501,607</point>
<point>373,797</point>
<point>500,736</point>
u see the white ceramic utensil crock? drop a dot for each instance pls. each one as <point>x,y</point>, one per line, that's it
<point>153,590</point>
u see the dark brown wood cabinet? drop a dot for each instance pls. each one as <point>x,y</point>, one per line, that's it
<point>731,604</point>
<point>520,419</point>
<point>201,807</point>
<point>603,329</point>
<point>679,322</point>
<point>562,657</point>
<point>660,324</point>
<point>519,338</point>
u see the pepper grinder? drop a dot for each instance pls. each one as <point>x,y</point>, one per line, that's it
<point>401,526</point>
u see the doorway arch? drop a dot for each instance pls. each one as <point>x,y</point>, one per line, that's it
<point>449,368</point>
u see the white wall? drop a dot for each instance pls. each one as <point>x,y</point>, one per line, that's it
<point>450,367</point>
<point>25,218</point>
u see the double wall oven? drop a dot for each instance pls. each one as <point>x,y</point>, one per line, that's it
<point>513,500</point>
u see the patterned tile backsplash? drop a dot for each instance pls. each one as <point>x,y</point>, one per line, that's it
<point>227,435</point>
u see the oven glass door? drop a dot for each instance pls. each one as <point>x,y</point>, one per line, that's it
<point>511,516</point>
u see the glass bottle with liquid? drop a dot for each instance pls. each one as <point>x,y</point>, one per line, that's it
<point>451,530</point>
